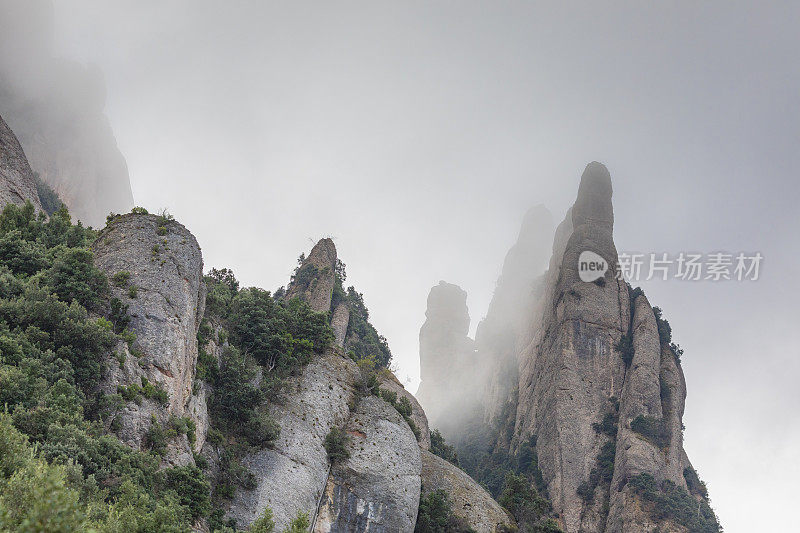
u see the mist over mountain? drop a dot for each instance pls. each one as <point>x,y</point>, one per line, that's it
<point>56,107</point>
<point>192,368</point>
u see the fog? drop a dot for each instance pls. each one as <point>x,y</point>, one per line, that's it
<point>418,135</point>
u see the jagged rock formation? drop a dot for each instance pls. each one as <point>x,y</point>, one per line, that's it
<point>470,502</point>
<point>314,279</point>
<point>599,419</point>
<point>56,107</point>
<point>447,359</point>
<point>17,184</point>
<point>156,267</point>
<point>377,489</point>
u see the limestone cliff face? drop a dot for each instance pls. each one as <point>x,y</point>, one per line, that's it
<point>292,474</point>
<point>156,270</point>
<point>16,177</point>
<point>572,369</point>
<point>378,487</point>
<point>56,107</point>
<point>447,359</point>
<point>314,279</point>
<point>470,502</point>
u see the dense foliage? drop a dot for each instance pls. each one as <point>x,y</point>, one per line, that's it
<point>336,442</point>
<point>442,449</point>
<point>363,338</point>
<point>261,341</point>
<point>47,196</point>
<point>653,429</point>
<point>435,515</point>
<point>670,502</point>
<point>515,481</point>
<point>60,469</point>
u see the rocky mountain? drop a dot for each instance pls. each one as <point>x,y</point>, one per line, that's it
<point>57,110</point>
<point>595,384</point>
<point>180,401</point>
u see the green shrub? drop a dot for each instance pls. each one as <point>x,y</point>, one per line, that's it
<point>664,329</point>
<point>625,348</point>
<point>119,315</point>
<point>362,337</point>
<point>336,442</point>
<point>653,429</point>
<point>47,196</point>
<point>521,499</point>
<point>299,524</point>
<point>435,515</point>
<point>191,487</point>
<point>670,502</point>
<point>121,278</point>
<point>602,473</point>
<point>73,276</point>
<point>442,449</point>
<point>139,211</point>
<point>695,484</point>
<point>264,523</point>
<point>608,426</point>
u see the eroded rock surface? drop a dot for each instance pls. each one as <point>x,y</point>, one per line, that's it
<point>339,322</point>
<point>470,502</point>
<point>292,475</point>
<point>156,269</point>
<point>573,382</point>
<point>377,489</point>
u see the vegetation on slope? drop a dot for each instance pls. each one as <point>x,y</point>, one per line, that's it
<point>264,341</point>
<point>362,339</point>
<point>60,468</point>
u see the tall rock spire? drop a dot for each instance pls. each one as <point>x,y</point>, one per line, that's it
<point>315,277</point>
<point>599,389</point>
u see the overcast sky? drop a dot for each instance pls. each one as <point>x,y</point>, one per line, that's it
<point>416,134</point>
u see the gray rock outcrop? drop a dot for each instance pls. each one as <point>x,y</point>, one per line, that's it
<point>292,474</point>
<point>314,279</point>
<point>339,322</point>
<point>17,184</point>
<point>156,269</point>
<point>377,488</point>
<point>470,502</point>
<point>504,331</point>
